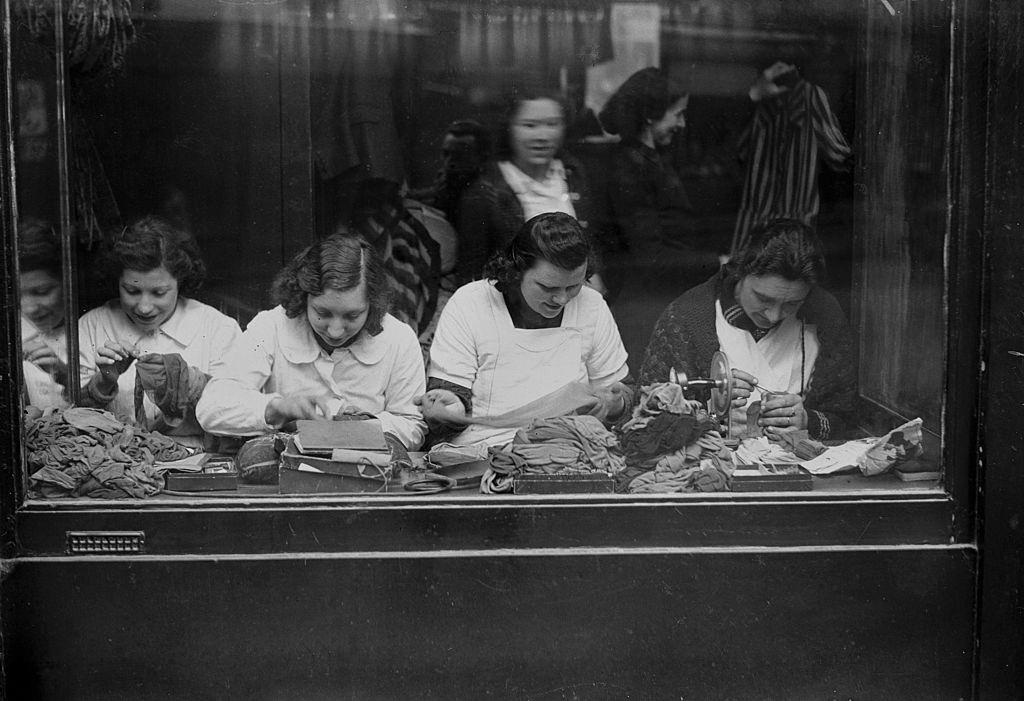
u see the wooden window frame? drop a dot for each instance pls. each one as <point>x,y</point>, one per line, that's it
<point>445,524</point>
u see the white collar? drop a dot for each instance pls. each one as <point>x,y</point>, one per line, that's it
<point>299,344</point>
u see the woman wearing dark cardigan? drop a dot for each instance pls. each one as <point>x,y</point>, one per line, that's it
<point>532,174</point>
<point>780,330</point>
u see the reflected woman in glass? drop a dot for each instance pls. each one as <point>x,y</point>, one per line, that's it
<point>526,330</point>
<point>147,355</point>
<point>646,193</point>
<point>329,347</point>
<point>43,332</point>
<point>783,333</point>
<point>532,175</point>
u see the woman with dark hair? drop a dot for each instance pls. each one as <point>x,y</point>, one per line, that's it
<point>328,348</point>
<point>780,329</point>
<point>175,339</point>
<point>531,175</point>
<point>646,193</point>
<point>43,331</point>
<point>529,328</point>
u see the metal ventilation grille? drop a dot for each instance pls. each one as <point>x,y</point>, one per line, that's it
<point>106,542</point>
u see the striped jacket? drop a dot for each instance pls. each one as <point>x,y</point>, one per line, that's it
<point>787,139</point>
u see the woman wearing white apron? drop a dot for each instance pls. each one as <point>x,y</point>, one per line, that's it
<point>529,328</point>
<point>779,328</point>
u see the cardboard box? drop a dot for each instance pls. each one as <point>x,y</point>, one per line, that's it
<point>313,474</point>
<point>218,474</point>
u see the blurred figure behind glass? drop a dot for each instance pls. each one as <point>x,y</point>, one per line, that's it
<point>43,331</point>
<point>464,150</point>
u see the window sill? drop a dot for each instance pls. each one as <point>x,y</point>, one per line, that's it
<point>265,523</point>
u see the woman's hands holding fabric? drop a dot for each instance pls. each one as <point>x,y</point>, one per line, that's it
<point>743,384</point>
<point>782,412</point>
<point>293,407</point>
<point>440,405</point>
<point>112,360</point>
<point>150,362</point>
<point>45,358</point>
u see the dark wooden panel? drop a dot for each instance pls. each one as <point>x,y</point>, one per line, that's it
<point>377,524</point>
<point>794,625</point>
<point>192,129</point>
<point>1001,628</point>
<point>11,456</point>
<point>902,151</point>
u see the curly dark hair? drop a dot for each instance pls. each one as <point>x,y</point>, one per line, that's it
<point>152,242</point>
<point>552,236</point>
<point>788,248</point>
<point>339,262</point>
<point>38,247</point>
<point>513,102</point>
<point>644,97</point>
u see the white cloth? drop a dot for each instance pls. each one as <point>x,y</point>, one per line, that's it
<point>539,196</point>
<point>196,331</point>
<point>278,356</point>
<point>43,391</point>
<point>776,360</point>
<point>477,346</point>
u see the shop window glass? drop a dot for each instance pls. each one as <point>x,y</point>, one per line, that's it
<point>259,128</point>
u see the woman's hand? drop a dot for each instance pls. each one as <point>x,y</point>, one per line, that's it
<point>766,85</point>
<point>440,405</point>
<point>152,362</point>
<point>743,384</point>
<point>112,360</point>
<point>613,398</point>
<point>45,358</point>
<point>782,412</point>
<point>293,407</point>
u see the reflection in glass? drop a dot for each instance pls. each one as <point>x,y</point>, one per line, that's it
<point>43,328</point>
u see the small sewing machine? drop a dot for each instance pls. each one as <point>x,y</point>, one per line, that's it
<point>715,389</point>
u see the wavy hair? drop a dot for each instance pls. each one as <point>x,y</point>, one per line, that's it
<point>339,262</point>
<point>150,243</point>
<point>644,97</point>
<point>553,236</point>
<point>788,248</point>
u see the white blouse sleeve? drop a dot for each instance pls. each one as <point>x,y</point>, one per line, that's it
<point>606,362</point>
<point>401,417</point>
<point>233,402</point>
<point>224,337</point>
<point>453,355</point>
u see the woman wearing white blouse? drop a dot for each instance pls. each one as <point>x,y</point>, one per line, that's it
<point>158,268</point>
<point>328,348</point>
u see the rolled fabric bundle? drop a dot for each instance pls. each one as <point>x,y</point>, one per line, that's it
<point>445,454</point>
<point>259,458</point>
